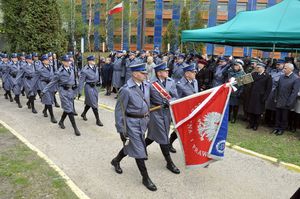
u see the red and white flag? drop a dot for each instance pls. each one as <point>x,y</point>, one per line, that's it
<point>118,8</point>
<point>201,122</point>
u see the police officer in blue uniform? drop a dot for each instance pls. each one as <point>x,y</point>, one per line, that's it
<point>28,72</point>
<point>132,117</point>
<point>65,79</point>
<point>14,69</point>
<point>117,79</point>
<point>90,80</point>
<point>54,65</point>
<point>131,61</point>
<point>45,74</point>
<point>160,120</point>
<point>7,84</point>
<point>177,72</point>
<point>188,85</point>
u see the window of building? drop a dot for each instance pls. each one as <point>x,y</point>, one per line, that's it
<point>133,39</point>
<point>166,22</point>
<point>117,39</point>
<point>168,5</point>
<point>222,8</point>
<point>205,6</point>
<point>149,22</point>
<point>150,5</point>
<point>240,6</point>
<point>220,22</point>
<point>149,39</point>
<point>260,6</point>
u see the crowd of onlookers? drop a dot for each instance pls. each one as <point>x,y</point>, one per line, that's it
<point>272,99</point>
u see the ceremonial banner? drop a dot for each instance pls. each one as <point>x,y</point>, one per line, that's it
<point>201,123</point>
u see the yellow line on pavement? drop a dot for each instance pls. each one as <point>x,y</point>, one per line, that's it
<point>69,182</point>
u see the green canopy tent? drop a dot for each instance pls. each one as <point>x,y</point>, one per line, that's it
<point>274,26</point>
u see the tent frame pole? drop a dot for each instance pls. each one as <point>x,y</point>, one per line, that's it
<point>273,53</point>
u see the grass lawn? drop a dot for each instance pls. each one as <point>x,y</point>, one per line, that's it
<point>285,148</point>
<point>23,174</point>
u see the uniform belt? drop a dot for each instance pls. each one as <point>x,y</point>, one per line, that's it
<point>67,87</point>
<point>46,81</point>
<point>92,84</point>
<point>137,116</point>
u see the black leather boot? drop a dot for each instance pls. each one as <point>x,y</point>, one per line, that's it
<point>61,121</point>
<point>55,102</point>
<point>83,114</point>
<point>31,98</point>
<point>173,137</point>
<point>116,162</point>
<point>170,165</point>
<point>146,179</point>
<point>18,101</point>
<point>45,111</point>
<point>96,113</point>
<point>28,103</point>
<point>72,120</point>
<point>53,120</point>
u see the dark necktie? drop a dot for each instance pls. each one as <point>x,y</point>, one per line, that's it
<point>192,83</point>
<point>141,87</point>
<point>164,83</point>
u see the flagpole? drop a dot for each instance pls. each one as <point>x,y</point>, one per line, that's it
<point>122,29</point>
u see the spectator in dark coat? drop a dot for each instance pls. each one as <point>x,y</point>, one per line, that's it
<point>285,97</point>
<point>203,76</point>
<point>107,72</point>
<point>258,93</point>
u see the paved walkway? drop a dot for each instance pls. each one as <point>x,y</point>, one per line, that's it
<point>86,160</point>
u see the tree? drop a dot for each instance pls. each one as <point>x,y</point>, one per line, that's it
<point>33,26</point>
<point>169,37</point>
<point>183,25</point>
<point>199,23</point>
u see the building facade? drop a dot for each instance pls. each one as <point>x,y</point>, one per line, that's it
<point>124,32</point>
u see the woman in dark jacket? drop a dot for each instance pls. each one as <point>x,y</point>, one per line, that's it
<point>203,76</point>
<point>107,72</point>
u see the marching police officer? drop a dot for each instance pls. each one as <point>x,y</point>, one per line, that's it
<point>188,85</point>
<point>65,79</point>
<point>160,120</point>
<point>90,79</point>
<point>14,69</point>
<point>132,117</point>
<point>45,74</point>
<point>7,84</point>
<point>28,71</point>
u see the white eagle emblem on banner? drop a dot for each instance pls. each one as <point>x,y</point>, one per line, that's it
<point>209,126</point>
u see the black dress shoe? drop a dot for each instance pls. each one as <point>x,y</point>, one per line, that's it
<point>75,113</point>
<point>249,127</point>
<point>149,184</point>
<point>173,168</point>
<point>19,105</point>
<point>45,113</point>
<point>28,105</point>
<point>116,164</point>
<point>53,120</point>
<point>275,131</point>
<point>61,125</point>
<point>83,117</point>
<point>56,105</point>
<point>172,149</point>
<point>280,132</point>
<point>99,123</point>
<point>77,132</point>
<point>34,111</point>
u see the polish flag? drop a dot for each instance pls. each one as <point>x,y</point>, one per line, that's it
<point>118,8</point>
